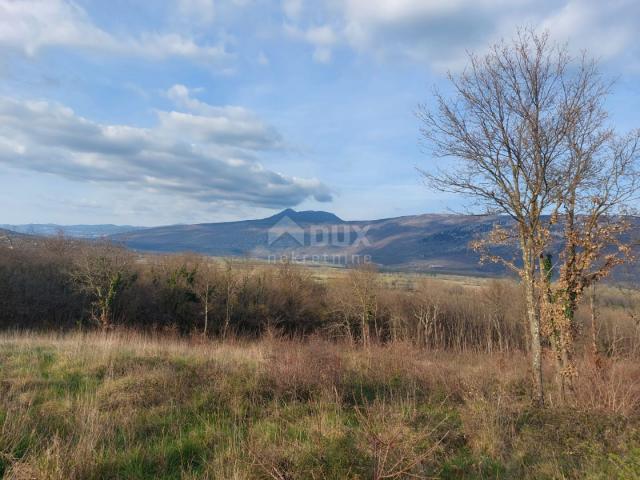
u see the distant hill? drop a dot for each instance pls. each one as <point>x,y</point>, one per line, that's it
<point>423,243</point>
<point>305,217</point>
<point>9,238</point>
<point>6,237</point>
<point>75,231</point>
<point>430,242</point>
<point>436,243</point>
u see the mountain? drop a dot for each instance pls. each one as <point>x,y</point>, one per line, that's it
<point>430,242</point>
<point>306,217</point>
<point>421,243</point>
<point>75,231</point>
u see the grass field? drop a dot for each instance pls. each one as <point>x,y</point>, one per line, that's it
<point>123,405</point>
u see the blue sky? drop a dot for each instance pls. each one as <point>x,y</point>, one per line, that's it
<point>157,112</point>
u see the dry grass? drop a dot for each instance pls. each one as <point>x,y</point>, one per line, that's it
<point>127,405</point>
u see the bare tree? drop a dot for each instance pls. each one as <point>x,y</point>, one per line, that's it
<point>205,286</point>
<point>600,189</point>
<point>103,271</point>
<point>508,125</point>
<point>355,304</point>
<point>230,287</point>
<point>363,281</point>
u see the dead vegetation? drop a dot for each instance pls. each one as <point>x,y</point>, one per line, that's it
<point>128,405</point>
<point>59,286</point>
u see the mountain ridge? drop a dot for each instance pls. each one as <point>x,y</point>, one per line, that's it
<point>406,242</point>
<point>75,231</point>
<point>431,242</point>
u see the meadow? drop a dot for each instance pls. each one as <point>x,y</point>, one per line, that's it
<point>190,367</point>
<point>128,405</point>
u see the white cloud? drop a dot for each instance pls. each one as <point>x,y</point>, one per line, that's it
<point>200,11</point>
<point>292,8</point>
<point>434,32</point>
<point>605,29</point>
<point>263,59</point>
<point>205,154</point>
<point>439,33</point>
<point>227,126</point>
<point>322,55</point>
<point>217,124</point>
<point>322,38</point>
<point>31,25</point>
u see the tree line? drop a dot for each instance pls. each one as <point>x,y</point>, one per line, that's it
<point>60,283</point>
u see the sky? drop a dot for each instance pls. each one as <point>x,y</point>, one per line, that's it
<point>145,112</point>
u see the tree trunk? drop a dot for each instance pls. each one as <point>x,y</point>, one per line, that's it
<point>104,318</point>
<point>550,322</point>
<point>206,310</point>
<point>365,328</point>
<point>533,319</point>
<point>594,319</point>
<point>227,315</point>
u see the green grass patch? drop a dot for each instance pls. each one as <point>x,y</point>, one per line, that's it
<point>82,412</point>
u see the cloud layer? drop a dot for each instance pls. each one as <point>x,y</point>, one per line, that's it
<point>31,25</point>
<point>435,32</point>
<point>438,33</point>
<point>206,153</point>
